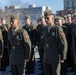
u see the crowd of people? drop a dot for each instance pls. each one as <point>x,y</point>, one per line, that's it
<point>53,35</point>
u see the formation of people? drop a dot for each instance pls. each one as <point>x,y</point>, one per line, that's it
<point>54,36</point>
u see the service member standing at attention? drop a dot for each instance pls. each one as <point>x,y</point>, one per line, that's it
<point>41,41</point>
<point>58,19</point>
<point>20,47</point>
<point>31,29</point>
<point>55,44</point>
<point>73,48</point>
<point>5,57</point>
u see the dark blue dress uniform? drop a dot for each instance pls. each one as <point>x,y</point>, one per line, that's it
<point>55,49</point>
<point>20,50</point>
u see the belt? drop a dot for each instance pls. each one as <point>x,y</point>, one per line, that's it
<point>17,47</point>
<point>50,45</point>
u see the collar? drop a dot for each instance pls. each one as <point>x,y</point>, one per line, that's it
<point>15,29</point>
<point>49,26</point>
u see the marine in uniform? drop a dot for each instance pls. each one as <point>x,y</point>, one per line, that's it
<point>73,44</point>
<point>5,57</point>
<point>55,46</point>
<point>59,22</point>
<point>69,26</point>
<point>20,46</point>
<point>41,41</point>
<point>32,31</point>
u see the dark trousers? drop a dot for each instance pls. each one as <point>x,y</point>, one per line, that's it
<point>4,59</point>
<point>30,65</point>
<point>0,63</point>
<point>17,69</point>
<point>70,58</point>
<point>41,52</point>
<point>75,69</point>
<point>51,69</point>
<point>64,68</point>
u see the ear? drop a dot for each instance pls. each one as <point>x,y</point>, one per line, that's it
<point>17,21</point>
<point>52,17</point>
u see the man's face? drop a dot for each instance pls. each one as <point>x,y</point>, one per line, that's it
<point>27,21</point>
<point>42,21</point>
<point>69,19</point>
<point>39,22</point>
<point>74,20</point>
<point>56,22</point>
<point>63,21</point>
<point>59,22</point>
<point>49,19</point>
<point>14,23</point>
<point>3,21</point>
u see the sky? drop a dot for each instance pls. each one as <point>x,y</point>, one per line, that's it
<point>54,4</point>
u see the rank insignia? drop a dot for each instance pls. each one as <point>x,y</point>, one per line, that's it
<point>53,33</point>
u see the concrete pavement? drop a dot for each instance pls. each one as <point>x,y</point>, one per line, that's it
<point>37,71</point>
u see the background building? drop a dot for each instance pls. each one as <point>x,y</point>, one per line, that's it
<point>69,8</point>
<point>69,4</point>
<point>32,10</point>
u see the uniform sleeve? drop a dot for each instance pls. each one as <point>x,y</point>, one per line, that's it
<point>8,43</point>
<point>27,44</point>
<point>62,43</point>
<point>4,28</point>
<point>1,44</point>
<point>33,36</point>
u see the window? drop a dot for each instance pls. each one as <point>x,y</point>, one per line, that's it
<point>73,7</point>
<point>67,2</point>
<point>72,3</point>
